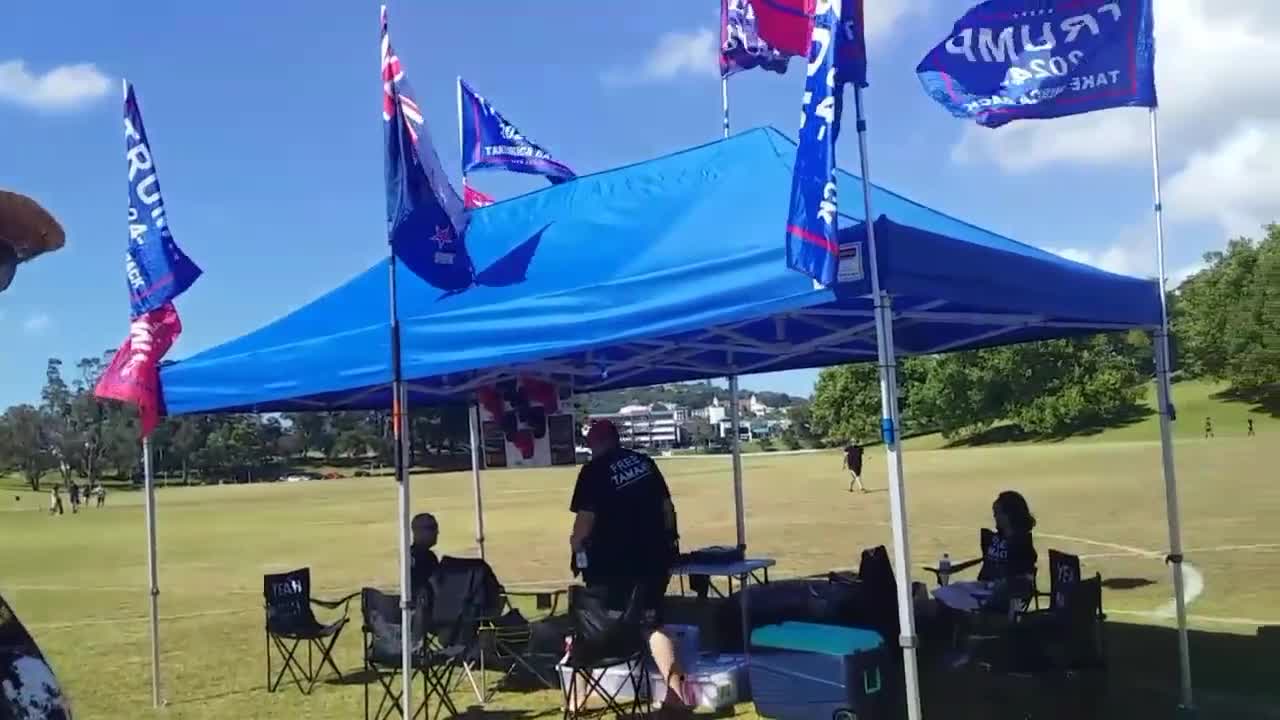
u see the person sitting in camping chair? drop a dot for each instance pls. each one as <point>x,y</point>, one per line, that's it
<point>422,558</point>
<point>1006,579</point>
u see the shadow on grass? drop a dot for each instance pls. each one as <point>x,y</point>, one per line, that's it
<point>1002,434</point>
<point>1141,682</point>
<point>1126,583</point>
<point>1265,399</point>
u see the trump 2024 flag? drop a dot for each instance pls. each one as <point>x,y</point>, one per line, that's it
<point>491,142</point>
<point>812,246</point>
<point>156,269</point>
<point>1009,60</point>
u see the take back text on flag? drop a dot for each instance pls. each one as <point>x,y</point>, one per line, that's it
<point>1008,60</point>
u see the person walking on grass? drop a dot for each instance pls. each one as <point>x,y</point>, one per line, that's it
<point>74,493</point>
<point>853,463</point>
<point>1250,427</point>
<point>1208,427</point>
<point>55,501</point>
<point>100,493</point>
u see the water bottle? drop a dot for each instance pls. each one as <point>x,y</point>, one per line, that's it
<point>580,559</point>
<point>944,570</point>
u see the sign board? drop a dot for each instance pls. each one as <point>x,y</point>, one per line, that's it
<point>522,424</point>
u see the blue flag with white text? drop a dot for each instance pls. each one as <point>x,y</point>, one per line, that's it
<point>425,216</point>
<point>1010,60</point>
<point>490,142</point>
<point>812,246</point>
<point>156,269</point>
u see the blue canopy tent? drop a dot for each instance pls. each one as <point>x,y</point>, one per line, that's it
<point>667,270</point>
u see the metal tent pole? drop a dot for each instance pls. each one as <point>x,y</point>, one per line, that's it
<point>398,403</point>
<point>153,582</point>
<point>891,433</point>
<point>1166,411</point>
<point>738,501</point>
<point>724,102</point>
<point>473,418</point>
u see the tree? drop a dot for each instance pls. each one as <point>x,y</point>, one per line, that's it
<point>800,415</point>
<point>701,431</point>
<point>846,400</point>
<point>24,444</point>
<point>1227,316</point>
<point>1048,388</point>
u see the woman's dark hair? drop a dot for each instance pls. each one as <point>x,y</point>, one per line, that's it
<point>1014,506</point>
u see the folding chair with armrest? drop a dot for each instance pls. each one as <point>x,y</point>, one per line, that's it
<point>510,641</point>
<point>290,622</point>
<point>603,639</point>
<point>382,657</point>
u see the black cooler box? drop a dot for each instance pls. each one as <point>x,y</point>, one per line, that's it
<point>804,671</point>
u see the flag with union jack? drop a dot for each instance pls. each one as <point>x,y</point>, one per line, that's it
<point>425,215</point>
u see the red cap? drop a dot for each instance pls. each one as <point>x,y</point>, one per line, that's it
<point>601,430</point>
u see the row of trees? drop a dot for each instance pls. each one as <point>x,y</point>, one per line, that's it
<point>76,437</point>
<point>1226,328</point>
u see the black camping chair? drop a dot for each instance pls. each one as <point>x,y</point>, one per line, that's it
<point>601,639</point>
<point>1069,635</point>
<point>511,643</point>
<point>464,593</point>
<point>290,623</point>
<point>382,630</point>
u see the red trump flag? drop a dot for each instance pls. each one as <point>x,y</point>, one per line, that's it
<point>133,375</point>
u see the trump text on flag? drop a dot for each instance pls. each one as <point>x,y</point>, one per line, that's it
<point>1011,59</point>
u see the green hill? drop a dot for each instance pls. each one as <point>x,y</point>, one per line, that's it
<point>1193,401</point>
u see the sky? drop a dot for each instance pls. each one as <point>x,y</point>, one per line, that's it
<point>265,125</point>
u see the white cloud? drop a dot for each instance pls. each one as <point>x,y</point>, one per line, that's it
<point>37,323</point>
<point>1234,182</point>
<point>63,88</point>
<point>677,55</point>
<point>883,16</point>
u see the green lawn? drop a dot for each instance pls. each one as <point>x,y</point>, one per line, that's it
<point>78,581</point>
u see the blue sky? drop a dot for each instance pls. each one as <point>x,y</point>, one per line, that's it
<point>264,119</point>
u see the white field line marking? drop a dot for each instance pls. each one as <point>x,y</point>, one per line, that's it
<point>1201,618</point>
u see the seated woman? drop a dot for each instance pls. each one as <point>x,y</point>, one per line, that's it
<point>1008,563</point>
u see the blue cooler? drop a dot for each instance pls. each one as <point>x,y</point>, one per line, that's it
<point>802,671</point>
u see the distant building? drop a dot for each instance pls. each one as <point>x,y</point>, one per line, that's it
<point>657,426</point>
<point>754,405</point>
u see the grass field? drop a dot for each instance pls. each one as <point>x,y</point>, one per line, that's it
<point>78,581</point>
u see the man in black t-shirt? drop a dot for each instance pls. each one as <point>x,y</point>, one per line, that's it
<point>853,463</point>
<point>624,523</point>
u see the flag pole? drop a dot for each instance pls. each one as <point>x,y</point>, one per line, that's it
<point>473,419</point>
<point>890,430</point>
<point>724,102</point>
<point>402,483</point>
<point>404,495</point>
<point>461,159</point>
<point>473,409</point>
<point>149,487</point>
<point>1166,411</point>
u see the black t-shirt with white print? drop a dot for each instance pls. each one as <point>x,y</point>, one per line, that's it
<point>1008,557</point>
<point>628,495</point>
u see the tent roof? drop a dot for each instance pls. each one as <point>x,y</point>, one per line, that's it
<point>671,269</point>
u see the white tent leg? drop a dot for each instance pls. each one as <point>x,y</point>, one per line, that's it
<point>891,432</point>
<point>473,416</point>
<point>739,505</point>
<point>406,591</point>
<point>1174,518</point>
<point>153,581</point>
<point>740,511</point>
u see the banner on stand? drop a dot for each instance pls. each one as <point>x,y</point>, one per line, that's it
<point>522,425</point>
